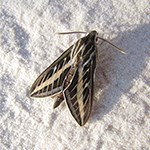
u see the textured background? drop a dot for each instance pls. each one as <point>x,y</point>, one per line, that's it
<point>28,44</point>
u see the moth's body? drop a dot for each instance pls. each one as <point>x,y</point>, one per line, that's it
<point>71,78</point>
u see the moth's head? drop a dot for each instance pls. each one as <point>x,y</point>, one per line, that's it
<point>93,36</point>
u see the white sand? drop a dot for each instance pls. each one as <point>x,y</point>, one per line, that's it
<point>28,44</point>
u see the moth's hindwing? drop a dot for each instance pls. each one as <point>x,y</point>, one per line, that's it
<point>51,80</point>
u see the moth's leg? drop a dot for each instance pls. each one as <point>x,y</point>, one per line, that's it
<point>60,98</point>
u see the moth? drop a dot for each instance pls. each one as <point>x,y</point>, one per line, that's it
<point>70,78</point>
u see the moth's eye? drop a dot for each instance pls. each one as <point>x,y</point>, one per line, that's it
<point>96,39</point>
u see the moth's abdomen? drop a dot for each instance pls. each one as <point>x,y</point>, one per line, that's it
<point>69,77</point>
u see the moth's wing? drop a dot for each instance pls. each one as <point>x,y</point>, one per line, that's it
<point>50,82</point>
<point>79,94</point>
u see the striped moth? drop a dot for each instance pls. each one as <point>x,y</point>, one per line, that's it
<point>71,78</point>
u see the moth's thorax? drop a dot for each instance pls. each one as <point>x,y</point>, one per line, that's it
<point>83,45</point>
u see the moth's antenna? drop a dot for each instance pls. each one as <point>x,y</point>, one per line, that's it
<point>71,32</point>
<point>117,48</point>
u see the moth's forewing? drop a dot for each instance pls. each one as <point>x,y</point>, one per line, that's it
<point>51,80</point>
<point>79,93</point>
